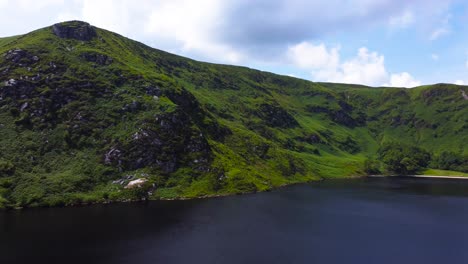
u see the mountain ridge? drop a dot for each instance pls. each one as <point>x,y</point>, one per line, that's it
<point>86,114</point>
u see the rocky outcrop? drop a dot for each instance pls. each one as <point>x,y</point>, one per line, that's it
<point>342,116</point>
<point>165,143</point>
<point>20,57</point>
<point>464,95</point>
<point>98,58</point>
<point>275,116</point>
<point>74,30</point>
<point>191,107</point>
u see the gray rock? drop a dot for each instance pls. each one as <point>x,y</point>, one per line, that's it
<point>24,106</point>
<point>20,57</point>
<point>74,30</point>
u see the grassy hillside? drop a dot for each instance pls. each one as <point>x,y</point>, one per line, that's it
<point>86,111</point>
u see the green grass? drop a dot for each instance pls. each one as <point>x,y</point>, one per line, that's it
<point>8,40</point>
<point>444,173</point>
<point>52,152</point>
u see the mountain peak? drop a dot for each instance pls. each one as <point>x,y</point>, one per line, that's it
<point>74,30</point>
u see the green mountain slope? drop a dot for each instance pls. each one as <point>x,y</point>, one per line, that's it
<point>90,116</point>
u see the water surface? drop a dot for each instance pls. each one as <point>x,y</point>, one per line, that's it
<point>397,220</point>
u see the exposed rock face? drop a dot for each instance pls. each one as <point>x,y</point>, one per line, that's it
<point>74,30</point>
<point>275,116</point>
<point>341,116</point>
<point>20,57</point>
<point>164,143</point>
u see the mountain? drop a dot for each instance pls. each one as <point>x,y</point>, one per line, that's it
<point>90,116</point>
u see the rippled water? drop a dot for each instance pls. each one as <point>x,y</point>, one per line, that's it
<point>383,220</point>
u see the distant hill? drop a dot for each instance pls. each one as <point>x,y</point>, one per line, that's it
<point>90,116</point>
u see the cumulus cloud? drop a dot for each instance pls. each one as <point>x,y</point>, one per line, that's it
<point>22,16</point>
<point>403,79</point>
<point>194,29</point>
<point>367,67</point>
<point>308,56</point>
<point>459,82</point>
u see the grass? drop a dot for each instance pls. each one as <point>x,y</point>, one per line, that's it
<point>435,172</point>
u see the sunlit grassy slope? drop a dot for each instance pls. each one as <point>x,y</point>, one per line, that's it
<point>86,113</point>
<point>444,173</point>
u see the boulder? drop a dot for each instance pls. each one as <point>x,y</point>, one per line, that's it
<point>138,183</point>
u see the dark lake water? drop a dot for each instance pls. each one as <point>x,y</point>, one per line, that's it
<point>398,220</point>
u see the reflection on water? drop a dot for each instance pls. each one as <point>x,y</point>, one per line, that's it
<point>384,220</point>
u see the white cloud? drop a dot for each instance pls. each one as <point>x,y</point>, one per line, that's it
<point>435,57</point>
<point>439,32</point>
<point>366,67</point>
<point>404,20</point>
<point>190,28</point>
<point>308,56</point>
<point>442,30</point>
<point>325,65</point>
<point>246,32</point>
<point>403,79</point>
<point>459,82</point>
<point>37,5</point>
<point>193,25</point>
<point>3,3</point>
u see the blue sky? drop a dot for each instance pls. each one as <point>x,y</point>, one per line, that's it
<point>372,42</point>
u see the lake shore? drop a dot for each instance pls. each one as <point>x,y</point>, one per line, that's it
<point>421,176</point>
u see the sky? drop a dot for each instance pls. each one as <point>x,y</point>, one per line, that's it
<point>403,43</point>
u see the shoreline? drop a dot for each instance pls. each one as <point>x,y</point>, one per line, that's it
<point>214,196</point>
<point>421,176</point>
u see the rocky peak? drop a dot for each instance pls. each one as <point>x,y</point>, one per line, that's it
<point>74,30</point>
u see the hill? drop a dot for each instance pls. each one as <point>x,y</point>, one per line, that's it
<point>90,116</point>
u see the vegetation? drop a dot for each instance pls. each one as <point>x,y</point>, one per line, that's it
<point>435,172</point>
<point>403,160</point>
<point>448,160</point>
<point>84,112</point>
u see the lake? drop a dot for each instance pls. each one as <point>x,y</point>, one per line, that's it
<point>372,220</point>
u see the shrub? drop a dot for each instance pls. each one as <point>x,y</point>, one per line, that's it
<point>402,159</point>
<point>7,168</point>
<point>372,166</point>
<point>448,160</point>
